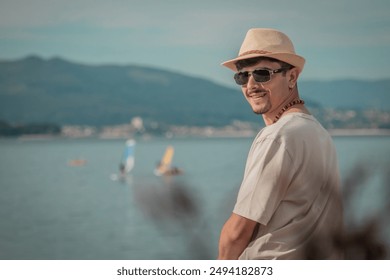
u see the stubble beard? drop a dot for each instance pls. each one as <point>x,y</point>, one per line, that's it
<point>259,101</point>
<point>260,110</point>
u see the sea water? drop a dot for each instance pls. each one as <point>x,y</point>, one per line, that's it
<point>51,209</point>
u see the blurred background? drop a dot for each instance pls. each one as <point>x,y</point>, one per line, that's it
<point>80,78</point>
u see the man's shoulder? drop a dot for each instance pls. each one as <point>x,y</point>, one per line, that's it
<point>292,126</point>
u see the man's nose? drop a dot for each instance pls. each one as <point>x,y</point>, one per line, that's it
<point>252,83</point>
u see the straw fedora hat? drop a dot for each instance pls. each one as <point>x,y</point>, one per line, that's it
<point>268,43</point>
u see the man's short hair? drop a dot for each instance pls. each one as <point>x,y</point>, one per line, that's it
<point>254,60</point>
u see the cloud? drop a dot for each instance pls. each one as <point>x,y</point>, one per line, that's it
<point>22,14</point>
<point>208,23</point>
<point>177,33</point>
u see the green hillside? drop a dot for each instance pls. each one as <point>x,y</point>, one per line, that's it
<point>61,92</point>
<point>36,90</point>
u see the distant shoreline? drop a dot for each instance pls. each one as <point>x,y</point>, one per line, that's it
<point>359,132</point>
<point>221,134</point>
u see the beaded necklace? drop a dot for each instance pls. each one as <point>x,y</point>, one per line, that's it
<point>284,109</point>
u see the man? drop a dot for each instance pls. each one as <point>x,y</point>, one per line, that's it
<point>289,204</point>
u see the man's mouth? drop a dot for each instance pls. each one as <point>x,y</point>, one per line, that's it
<point>257,94</point>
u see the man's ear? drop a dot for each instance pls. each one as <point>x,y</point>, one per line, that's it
<point>293,77</point>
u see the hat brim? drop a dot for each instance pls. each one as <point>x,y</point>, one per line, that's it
<point>293,59</point>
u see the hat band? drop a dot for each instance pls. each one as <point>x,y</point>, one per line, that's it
<point>255,51</point>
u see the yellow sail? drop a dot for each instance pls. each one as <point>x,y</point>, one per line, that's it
<point>167,158</point>
<point>165,163</point>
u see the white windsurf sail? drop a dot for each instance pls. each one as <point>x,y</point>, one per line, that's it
<point>128,160</point>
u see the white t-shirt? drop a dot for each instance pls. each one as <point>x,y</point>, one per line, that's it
<point>291,188</point>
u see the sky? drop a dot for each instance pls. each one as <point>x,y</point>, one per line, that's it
<point>338,38</point>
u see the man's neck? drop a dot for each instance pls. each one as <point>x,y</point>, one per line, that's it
<point>289,105</point>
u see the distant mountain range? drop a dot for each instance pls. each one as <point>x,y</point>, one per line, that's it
<point>57,91</point>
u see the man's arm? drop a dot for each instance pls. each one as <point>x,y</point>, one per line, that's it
<point>235,237</point>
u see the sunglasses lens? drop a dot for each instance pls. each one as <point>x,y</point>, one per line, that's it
<point>261,76</point>
<point>241,78</point>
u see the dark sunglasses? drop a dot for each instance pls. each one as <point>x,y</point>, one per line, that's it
<point>260,75</point>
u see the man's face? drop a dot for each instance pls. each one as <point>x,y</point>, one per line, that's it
<point>266,97</point>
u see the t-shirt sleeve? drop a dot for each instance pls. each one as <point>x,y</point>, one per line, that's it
<point>268,173</point>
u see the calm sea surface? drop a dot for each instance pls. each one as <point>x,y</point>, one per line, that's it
<point>51,210</point>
